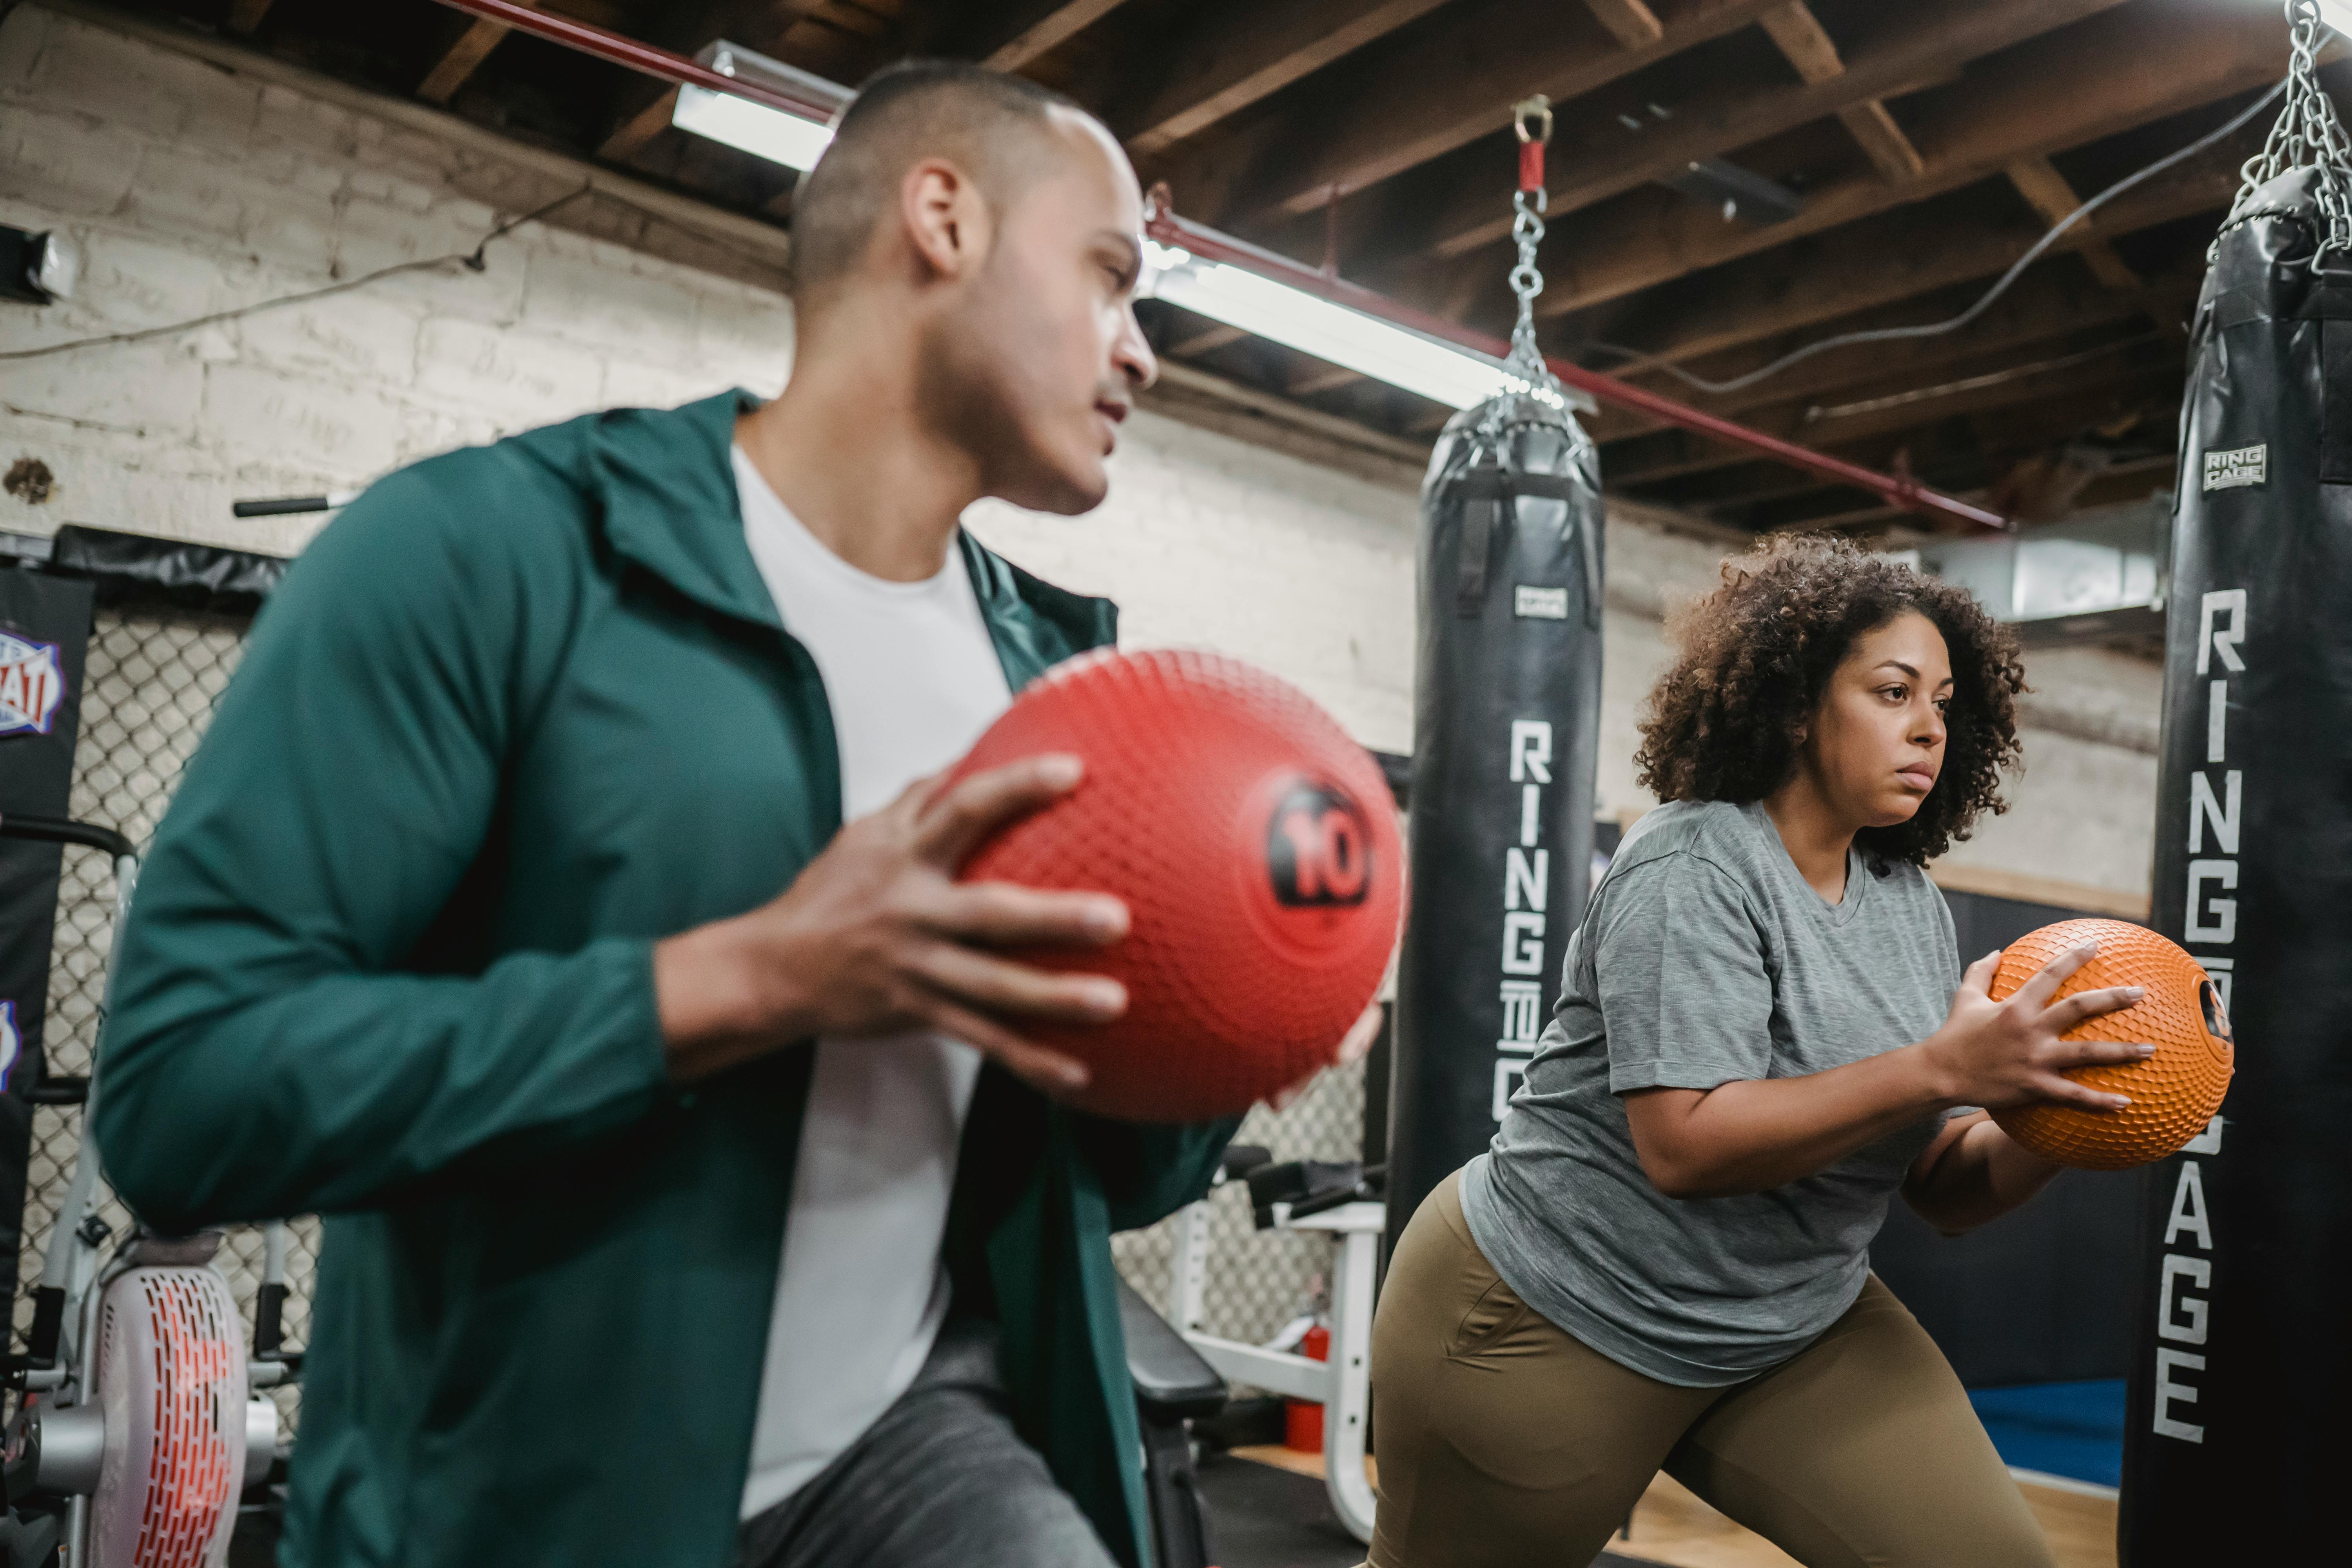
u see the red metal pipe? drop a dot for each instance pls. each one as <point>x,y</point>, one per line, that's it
<point>1211,245</point>
<point>643,58</point>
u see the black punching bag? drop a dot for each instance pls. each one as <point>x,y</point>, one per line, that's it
<point>2240,1423</point>
<point>1506,712</point>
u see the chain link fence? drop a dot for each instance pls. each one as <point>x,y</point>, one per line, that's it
<point>150,683</point>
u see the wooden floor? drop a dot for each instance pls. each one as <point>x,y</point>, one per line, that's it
<point>1672,1528</point>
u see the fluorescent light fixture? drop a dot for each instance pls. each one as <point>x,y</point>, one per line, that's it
<point>1442,371</point>
<point>1446,372</point>
<point>764,132</point>
<point>2337,14</point>
<point>769,133</point>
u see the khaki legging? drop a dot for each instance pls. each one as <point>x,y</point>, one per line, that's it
<point>1505,1443</point>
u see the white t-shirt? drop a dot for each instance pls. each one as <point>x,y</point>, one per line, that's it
<point>913,679</point>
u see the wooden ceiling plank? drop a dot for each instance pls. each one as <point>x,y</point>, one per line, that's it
<point>1042,28</point>
<point>1896,260</point>
<point>2052,198</point>
<point>1630,22</point>
<point>2109,78</point>
<point>1679,458</point>
<point>1239,66</point>
<point>1206,341</point>
<point>2051,311</point>
<point>461,59</point>
<point>635,133</point>
<point>1400,109</point>
<point>1873,125</point>
<point>1324,378</point>
<point>1803,40</point>
<point>1808,47</point>
<point>1936,38</point>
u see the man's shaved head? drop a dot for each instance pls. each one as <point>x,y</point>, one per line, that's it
<point>967,254</point>
<point>997,128</point>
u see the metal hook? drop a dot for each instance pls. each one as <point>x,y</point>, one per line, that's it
<point>1537,107</point>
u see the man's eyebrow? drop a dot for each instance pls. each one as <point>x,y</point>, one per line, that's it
<point>1128,246</point>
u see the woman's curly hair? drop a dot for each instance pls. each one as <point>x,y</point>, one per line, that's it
<point>1756,658</point>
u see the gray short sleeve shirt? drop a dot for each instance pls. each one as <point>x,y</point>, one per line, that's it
<point>1706,958</point>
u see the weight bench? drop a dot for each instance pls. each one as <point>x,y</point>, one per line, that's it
<point>1172,1385</point>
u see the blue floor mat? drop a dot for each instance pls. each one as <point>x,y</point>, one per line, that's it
<point>2073,1429</point>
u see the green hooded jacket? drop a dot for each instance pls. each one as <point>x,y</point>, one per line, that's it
<point>517,713</point>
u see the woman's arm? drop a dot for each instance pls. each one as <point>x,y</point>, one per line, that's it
<point>1972,1172</point>
<point>1751,1135</point>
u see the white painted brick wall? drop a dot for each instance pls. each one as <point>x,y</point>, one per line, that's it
<point>193,191</point>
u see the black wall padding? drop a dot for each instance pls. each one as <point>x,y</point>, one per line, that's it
<point>1506,723</point>
<point>125,567</point>
<point>2241,1414</point>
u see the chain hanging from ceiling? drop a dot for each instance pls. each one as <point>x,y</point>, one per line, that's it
<point>2306,135</point>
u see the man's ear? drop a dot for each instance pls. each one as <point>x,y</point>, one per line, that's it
<point>947,222</point>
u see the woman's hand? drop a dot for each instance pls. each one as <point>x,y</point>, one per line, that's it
<point>1997,1054</point>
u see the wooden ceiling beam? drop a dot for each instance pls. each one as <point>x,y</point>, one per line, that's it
<point>1838,375</point>
<point>1957,455</point>
<point>1630,22</point>
<point>1229,68</point>
<point>1808,47</point>
<point>1321,379</point>
<point>2052,197</point>
<point>636,131</point>
<point>462,58</point>
<point>1677,454</point>
<point>1963,457</point>
<point>1041,27</point>
<point>1890,259</point>
<point>1933,40</point>
<point>2104,78</point>
<point>1206,341</point>
<point>2045,304</point>
<point>1391,108</point>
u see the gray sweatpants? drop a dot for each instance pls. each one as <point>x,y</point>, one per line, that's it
<point>939,1481</point>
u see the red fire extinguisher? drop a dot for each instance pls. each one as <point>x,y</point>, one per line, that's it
<point>1302,1419</point>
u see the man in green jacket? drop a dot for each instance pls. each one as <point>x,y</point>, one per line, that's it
<point>692,1197</point>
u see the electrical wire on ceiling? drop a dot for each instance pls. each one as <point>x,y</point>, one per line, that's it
<point>1937,329</point>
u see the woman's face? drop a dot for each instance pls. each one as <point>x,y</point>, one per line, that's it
<point>1876,743</point>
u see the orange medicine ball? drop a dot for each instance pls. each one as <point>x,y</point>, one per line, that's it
<point>1256,850</point>
<point>2173,1093</point>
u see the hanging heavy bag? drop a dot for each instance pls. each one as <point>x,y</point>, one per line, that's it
<point>1507,719</point>
<point>2236,1437</point>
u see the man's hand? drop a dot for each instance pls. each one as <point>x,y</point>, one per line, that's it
<point>1997,1054</point>
<point>876,937</point>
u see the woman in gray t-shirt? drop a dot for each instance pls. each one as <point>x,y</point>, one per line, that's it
<point>1763,1035</point>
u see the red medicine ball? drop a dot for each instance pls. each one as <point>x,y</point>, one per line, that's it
<point>1256,851</point>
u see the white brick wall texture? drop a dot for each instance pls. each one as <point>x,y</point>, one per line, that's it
<point>193,191</point>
